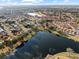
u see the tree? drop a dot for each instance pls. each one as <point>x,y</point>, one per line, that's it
<point>70,51</point>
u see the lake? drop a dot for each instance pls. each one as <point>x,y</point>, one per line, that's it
<point>41,44</point>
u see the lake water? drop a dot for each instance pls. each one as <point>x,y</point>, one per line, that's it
<point>42,44</point>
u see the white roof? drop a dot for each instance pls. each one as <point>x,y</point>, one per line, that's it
<point>1,41</point>
<point>34,14</point>
<point>1,29</point>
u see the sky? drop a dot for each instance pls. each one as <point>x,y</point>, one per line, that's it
<point>39,2</point>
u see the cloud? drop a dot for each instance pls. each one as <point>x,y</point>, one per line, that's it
<point>65,1</point>
<point>3,0</point>
<point>28,0</point>
<point>26,4</point>
<point>38,2</point>
<point>8,4</point>
<point>6,0</point>
<point>32,0</point>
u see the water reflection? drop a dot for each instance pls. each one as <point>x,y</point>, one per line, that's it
<point>42,44</point>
